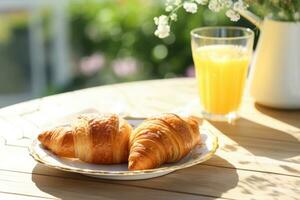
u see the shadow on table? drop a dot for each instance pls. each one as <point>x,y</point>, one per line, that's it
<point>260,140</point>
<point>210,181</point>
<point>290,117</point>
<point>201,179</point>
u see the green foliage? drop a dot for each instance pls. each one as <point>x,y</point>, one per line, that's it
<point>15,64</point>
<point>111,41</point>
<point>284,10</point>
<point>124,28</point>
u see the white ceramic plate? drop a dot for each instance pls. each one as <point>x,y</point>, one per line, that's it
<point>2,142</point>
<point>199,154</point>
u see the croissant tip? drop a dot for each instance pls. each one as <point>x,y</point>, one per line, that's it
<point>134,165</point>
<point>196,119</point>
<point>131,165</point>
<point>41,136</point>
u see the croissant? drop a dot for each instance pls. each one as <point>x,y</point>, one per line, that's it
<point>93,138</point>
<point>163,139</point>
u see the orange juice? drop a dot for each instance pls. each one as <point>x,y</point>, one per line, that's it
<point>221,72</point>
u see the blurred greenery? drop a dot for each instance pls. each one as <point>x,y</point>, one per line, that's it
<point>282,10</point>
<point>112,41</point>
<point>124,29</point>
<point>15,73</point>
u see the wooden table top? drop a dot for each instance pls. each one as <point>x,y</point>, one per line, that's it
<point>258,158</point>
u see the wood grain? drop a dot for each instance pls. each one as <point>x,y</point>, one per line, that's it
<point>258,154</point>
<point>44,186</point>
<point>13,196</point>
<point>202,180</point>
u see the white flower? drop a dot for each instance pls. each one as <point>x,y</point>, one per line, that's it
<point>239,5</point>
<point>177,2</point>
<point>190,7</point>
<point>226,3</point>
<point>163,28</point>
<point>162,31</point>
<point>233,15</point>
<point>155,20</point>
<point>161,20</point>
<point>169,8</point>
<point>169,2</point>
<point>173,17</point>
<point>297,16</point>
<point>173,2</point>
<point>215,6</point>
<point>202,2</point>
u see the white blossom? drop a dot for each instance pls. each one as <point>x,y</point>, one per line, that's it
<point>202,2</point>
<point>239,5</point>
<point>173,2</point>
<point>215,5</point>
<point>233,15</point>
<point>177,2</point>
<point>173,17</point>
<point>190,7</point>
<point>168,2</point>
<point>163,27</point>
<point>161,20</point>
<point>162,31</point>
<point>226,3</point>
<point>169,8</point>
<point>155,20</point>
<point>232,8</point>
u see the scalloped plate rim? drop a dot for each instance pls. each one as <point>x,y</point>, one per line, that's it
<point>160,170</point>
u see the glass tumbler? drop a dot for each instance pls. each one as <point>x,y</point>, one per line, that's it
<point>221,57</point>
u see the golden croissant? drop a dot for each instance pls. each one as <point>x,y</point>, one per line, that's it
<point>93,138</point>
<point>163,139</point>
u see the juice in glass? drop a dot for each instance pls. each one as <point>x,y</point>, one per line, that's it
<point>221,71</point>
<point>221,57</point>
